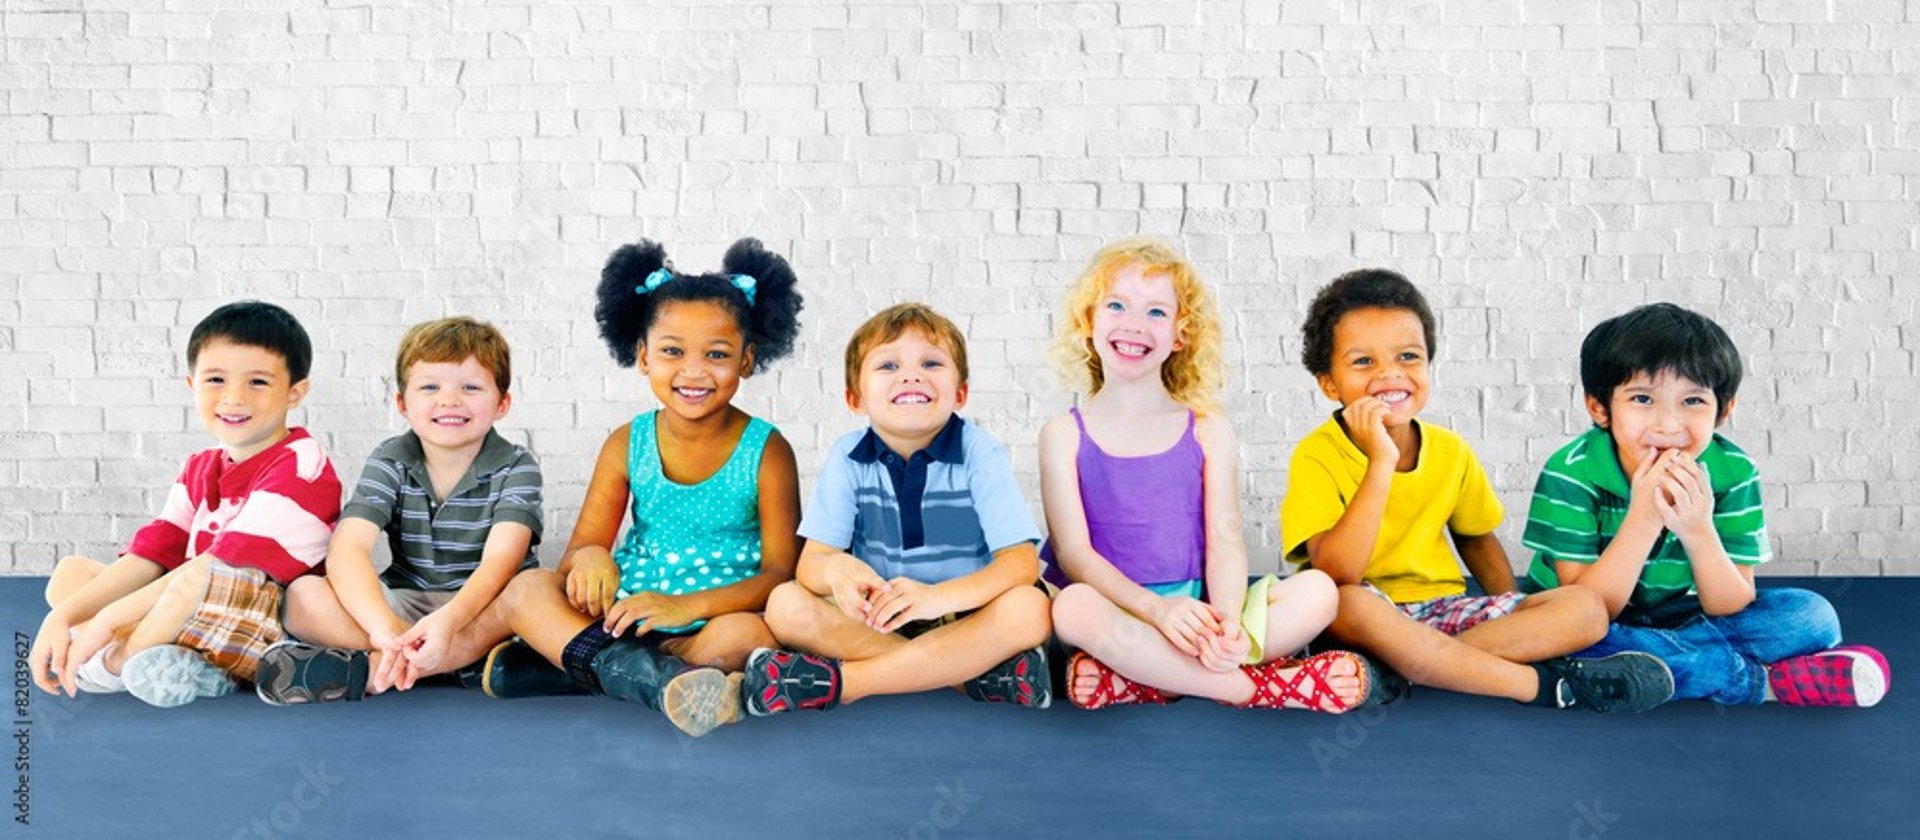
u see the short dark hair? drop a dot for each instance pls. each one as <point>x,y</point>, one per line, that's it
<point>1367,288</point>
<point>1655,338</point>
<point>256,324</point>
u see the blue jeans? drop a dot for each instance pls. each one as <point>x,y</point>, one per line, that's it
<point>1724,658</point>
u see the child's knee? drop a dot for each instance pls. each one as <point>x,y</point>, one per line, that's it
<point>1024,614</point>
<point>740,632</point>
<point>526,584</point>
<point>306,605</point>
<point>1362,612</point>
<point>791,610</point>
<point>1308,594</point>
<point>1808,614</point>
<point>1076,607</point>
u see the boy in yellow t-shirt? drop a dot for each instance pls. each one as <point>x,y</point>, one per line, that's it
<point>1380,501</point>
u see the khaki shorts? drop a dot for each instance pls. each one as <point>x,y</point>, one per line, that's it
<point>237,620</point>
<point>414,604</point>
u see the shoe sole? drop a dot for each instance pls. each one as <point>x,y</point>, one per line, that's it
<point>284,661</point>
<point>1869,675</point>
<point>486,672</point>
<point>169,676</point>
<point>699,700</point>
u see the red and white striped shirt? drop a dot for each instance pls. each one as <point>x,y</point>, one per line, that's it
<point>273,512</point>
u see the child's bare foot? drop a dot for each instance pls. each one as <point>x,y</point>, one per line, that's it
<point>1334,681</point>
<point>1093,685</point>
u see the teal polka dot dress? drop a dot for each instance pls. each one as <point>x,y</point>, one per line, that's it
<point>691,537</point>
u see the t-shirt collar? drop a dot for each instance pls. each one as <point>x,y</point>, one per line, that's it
<point>946,446</point>
<point>495,453</point>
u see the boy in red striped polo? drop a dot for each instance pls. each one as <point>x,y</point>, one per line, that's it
<point>196,597</point>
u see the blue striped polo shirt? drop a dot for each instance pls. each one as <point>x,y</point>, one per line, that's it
<point>437,545</point>
<point>933,516</point>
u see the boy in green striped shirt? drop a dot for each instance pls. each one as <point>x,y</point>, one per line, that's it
<point>1661,515</point>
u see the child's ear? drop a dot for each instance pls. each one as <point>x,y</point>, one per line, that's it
<point>400,400</point>
<point>960,397</point>
<point>1325,381</point>
<point>1599,412</point>
<point>746,362</point>
<point>853,402</point>
<point>297,392</point>
<point>1726,413</point>
<point>506,404</point>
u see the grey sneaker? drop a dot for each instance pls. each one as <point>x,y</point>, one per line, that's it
<point>1631,682</point>
<point>1022,680</point>
<point>171,675</point>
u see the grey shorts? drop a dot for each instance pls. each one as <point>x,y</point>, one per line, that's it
<point>414,604</point>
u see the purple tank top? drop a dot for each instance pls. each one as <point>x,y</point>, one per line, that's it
<point>1145,514</point>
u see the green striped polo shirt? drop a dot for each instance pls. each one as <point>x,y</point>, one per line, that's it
<point>1581,499</point>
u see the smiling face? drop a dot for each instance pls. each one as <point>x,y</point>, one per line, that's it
<point>452,405</point>
<point>909,388</point>
<point>1650,414</point>
<point>1379,353</point>
<point>694,357</point>
<point>1134,324</point>
<point>243,394</point>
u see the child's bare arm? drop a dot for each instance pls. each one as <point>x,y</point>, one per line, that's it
<point>1617,571</point>
<point>500,559</point>
<point>1067,523</point>
<point>1344,550</point>
<point>1486,559</point>
<point>1686,508</point>
<point>350,573</point>
<point>592,577</point>
<point>124,577</point>
<point>1013,566</point>
<point>1226,564</point>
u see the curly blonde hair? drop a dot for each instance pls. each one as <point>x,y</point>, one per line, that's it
<point>1195,373</point>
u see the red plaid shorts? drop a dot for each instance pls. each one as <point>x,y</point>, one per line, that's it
<point>1455,614</point>
<point>237,620</point>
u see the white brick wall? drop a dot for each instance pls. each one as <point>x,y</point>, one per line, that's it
<point>1535,165</point>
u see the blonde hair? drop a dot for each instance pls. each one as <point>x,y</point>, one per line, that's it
<point>1194,374</point>
<point>890,322</point>
<point>453,340</point>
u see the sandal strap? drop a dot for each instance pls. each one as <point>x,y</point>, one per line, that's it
<point>1307,688</point>
<point>1105,693</point>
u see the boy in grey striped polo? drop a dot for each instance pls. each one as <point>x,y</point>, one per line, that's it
<point>460,508</point>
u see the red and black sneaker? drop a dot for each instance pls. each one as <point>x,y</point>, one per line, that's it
<point>782,681</point>
<point>1022,680</point>
<point>1853,675</point>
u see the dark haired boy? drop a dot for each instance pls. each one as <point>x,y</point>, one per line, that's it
<point>1661,515</point>
<point>1381,500</point>
<point>195,599</point>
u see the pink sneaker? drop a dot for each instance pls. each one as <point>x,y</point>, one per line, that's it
<point>1852,675</point>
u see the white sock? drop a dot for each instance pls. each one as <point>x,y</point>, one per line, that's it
<point>93,677</point>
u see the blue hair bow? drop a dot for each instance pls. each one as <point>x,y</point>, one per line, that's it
<point>744,282</point>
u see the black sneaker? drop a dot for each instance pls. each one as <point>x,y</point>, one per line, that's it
<point>514,669</point>
<point>782,681</point>
<point>1022,680</point>
<point>295,672</point>
<point>1631,682</point>
<point>1385,686</point>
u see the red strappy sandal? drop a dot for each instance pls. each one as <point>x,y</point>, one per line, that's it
<point>1106,693</point>
<point>1272,691</point>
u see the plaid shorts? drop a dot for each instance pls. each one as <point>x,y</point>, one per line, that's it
<point>1456,614</point>
<point>237,620</point>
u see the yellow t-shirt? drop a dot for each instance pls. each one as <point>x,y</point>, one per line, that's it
<point>1413,558</point>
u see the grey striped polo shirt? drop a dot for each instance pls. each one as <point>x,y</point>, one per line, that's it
<point>437,545</point>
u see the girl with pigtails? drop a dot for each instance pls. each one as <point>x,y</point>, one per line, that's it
<point>663,614</point>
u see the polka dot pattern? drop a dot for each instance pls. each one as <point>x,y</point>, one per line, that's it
<point>690,538</point>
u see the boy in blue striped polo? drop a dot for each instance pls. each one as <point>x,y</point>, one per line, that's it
<point>460,508</point>
<point>1661,515</point>
<point>919,567</point>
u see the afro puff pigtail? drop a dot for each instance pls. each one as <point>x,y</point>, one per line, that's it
<point>773,320</point>
<point>623,309</point>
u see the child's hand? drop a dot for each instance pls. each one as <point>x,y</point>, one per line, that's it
<point>903,600</point>
<point>1643,501</point>
<point>394,665</point>
<point>593,583</point>
<point>1185,622</point>
<point>1685,497</point>
<point>648,610</point>
<point>1367,421</point>
<point>854,586</point>
<point>48,657</point>
<point>1226,650</point>
<point>424,646</point>
<point>92,638</point>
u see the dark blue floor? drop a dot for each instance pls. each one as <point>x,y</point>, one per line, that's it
<point>444,762</point>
